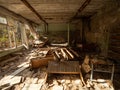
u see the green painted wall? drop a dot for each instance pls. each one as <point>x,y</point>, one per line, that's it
<point>57,27</point>
<point>59,30</point>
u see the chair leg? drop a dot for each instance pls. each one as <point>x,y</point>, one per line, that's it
<point>91,76</point>
<point>113,67</point>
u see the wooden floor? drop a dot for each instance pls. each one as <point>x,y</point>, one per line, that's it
<point>64,67</point>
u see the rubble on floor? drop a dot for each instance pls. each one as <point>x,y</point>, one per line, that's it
<point>17,74</point>
<point>41,57</point>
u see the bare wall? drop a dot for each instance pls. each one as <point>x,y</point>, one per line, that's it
<point>102,23</point>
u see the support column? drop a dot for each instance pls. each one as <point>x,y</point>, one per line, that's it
<point>24,36</point>
<point>47,28</point>
<point>68,34</point>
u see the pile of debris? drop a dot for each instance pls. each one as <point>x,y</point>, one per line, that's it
<point>18,75</point>
<point>40,42</point>
<point>94,71</point>
<point>63,82</point>
<point>41,56</point>
<point>65,54</point>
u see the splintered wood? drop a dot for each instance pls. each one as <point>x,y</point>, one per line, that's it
<point>85,65</point>
<point>64,82</point>
<point>40,57</point>
<point>65,54</point>
<point>59,75</point>
<point>64,67</point>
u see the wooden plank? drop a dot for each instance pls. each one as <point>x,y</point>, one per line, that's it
<point>81,77</point>
<point>38,62</point>
<point>58,56</point>
<point>114,44</point>
<point>8,60</point>
<point>64,54</point>
<point>117,30</point>
<point>22,64</point>
<point>13,74</point>
<point>64,67</point>
<point>114,49</point>
<point>74,52</point>
<point>69,53</point>
<point>7,84</point>
<point>115,37</point>
<point>113,53</point>
<point>19,70</point>
<point>114,56</point>
<point>62,45</point>
<point>6,52</point>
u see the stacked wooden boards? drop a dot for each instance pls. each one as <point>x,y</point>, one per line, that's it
<point>114,44</point>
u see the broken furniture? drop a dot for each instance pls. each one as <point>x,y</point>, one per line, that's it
<point>58,41</point>
<point>102,68</point>
<point>60,44</point>
<point>63,67</point>
<point>41,57</point>
<point>101,75</point>
<point>63,54</point>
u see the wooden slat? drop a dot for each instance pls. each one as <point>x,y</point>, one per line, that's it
<point>114,55</point>
<point>65,67</point>
<point>38,62</point>
<point>115,37</point>
<point>9,60</point>
<point>117,30</point>
<point>114,49</point>
<point>114,44</point>
<point>74,52</point>
<point>14,73</point>
<point>6,52</point>
<point>69,53</point>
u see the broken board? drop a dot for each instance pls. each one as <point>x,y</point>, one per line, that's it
<point>64,67</point>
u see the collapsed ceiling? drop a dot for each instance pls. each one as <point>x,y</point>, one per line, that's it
<point>53,11</point>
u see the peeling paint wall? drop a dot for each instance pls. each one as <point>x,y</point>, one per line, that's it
<point>101,24</point>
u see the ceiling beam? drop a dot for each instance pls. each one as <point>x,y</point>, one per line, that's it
<point>33,10</point>
<point>7,12</point>
<point>81,9</point>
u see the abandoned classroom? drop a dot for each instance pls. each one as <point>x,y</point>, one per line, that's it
<point>59,44</point>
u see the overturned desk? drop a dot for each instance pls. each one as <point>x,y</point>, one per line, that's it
<point>64,67</point>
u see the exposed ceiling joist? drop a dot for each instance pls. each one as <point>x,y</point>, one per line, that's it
<point>33,10</point>
<point>6,11</point>
<point>54,11</point>
<point>81,9</point>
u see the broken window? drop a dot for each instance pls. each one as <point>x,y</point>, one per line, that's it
<point>12,37</point>
<point>4,37</point>
<point>29,34</point>
<point>3,20</point>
